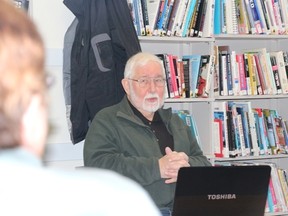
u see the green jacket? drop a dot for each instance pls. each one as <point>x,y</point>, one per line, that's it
<point>118,140</point>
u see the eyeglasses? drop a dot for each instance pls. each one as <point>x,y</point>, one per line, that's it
<point>145,81</point>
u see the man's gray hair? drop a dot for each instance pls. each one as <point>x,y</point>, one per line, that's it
<point>141,59</point>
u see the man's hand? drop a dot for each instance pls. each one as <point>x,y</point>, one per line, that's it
<point>171,163</point>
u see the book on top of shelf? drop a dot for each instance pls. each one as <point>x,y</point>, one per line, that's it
<point>145,17</point>
<point>167,16</point>
<point>260,7</point>
<point>242,17</point>
<point>284,14</point>
<point>252,29</point>
<point>231,17</point>
<point>153,10</point>
<point>193,19</point>
<point>208,26</point>
<point>217,17</point>
<point>187,18</point>
<point>271,16</point>
<point>200,16</point>
<point>182,11</point>
<point>172,19</point>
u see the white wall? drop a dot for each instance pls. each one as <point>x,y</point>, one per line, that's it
<point>52,18</point>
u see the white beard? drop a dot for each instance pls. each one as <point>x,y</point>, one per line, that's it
<point>145,104</point>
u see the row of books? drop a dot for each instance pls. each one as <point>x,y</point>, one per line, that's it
<point>251,17</point>
<point>173,17</point>
<point>251,72</point>
<point>188,76</point>
<point>277,196</point>
<point>240,130</point>
<point>190,122</point>
<point>205,18</point>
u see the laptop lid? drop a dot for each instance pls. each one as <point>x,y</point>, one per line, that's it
<point>221,190</point>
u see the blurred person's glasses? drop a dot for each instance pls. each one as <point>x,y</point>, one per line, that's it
<point>145,81</point>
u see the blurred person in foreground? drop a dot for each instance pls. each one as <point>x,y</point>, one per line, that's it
<point>26,188</point>
<point>139,138</point>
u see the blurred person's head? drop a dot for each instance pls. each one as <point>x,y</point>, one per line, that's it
<point>144,82</point>
<point>23,110</point>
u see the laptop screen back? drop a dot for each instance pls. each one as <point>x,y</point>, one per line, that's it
<point>221,190</point>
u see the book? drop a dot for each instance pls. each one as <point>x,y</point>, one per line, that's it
<point>153,7</point>
<point>252,29</point>
<point>252,73</point>
<point>195,64</point>
<point>231,18</point>
<point>173,75</point>
<point>255,16</point>
<point>242,77</point>
<point>205,77</point>
<point>190,122</point>
<point>220,112</point>
<point>145,17</point>
<point>275,72</point>
<point>263,137</point>
<point>261,86</point>
<point>166,65</point>
<point>187,18</point>
<point>180,69</point>
<point>182,11</point>
<point>279,58</point>
<point>186,73</point>
<point>245,109</point>
<point>217,17</point>
<point>172,18</point>
<point>208,27</point>
<point>259,4</point>
<point>218,135</point>
<point>271,16</point>
<point>270,130</point>
<point>242,17</point>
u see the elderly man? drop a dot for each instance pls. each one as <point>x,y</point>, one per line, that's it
<point>140,139</point>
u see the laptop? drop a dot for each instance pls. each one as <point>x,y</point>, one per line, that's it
<point>221,191</point>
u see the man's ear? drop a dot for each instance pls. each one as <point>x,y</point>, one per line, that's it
<point>125,84</point>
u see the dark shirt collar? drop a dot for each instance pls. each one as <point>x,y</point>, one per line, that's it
<point>156,117</point>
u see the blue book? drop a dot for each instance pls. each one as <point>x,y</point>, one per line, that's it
<point>190,122</point>
<point>137,19</point>
<point>161,19</point>
<point>217,17</point>
<point>195,64</point>
<point>190,10</point>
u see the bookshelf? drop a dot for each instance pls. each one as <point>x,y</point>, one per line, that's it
<point>202,108</point>
<point>246,33</point>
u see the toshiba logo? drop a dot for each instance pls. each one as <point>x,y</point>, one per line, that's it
<point>221,196</point>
